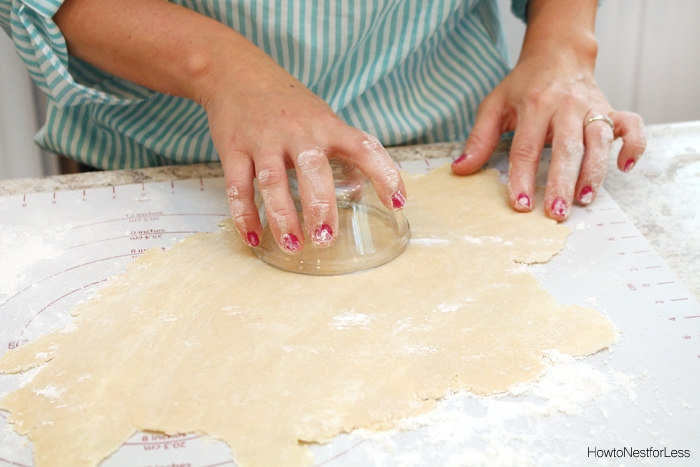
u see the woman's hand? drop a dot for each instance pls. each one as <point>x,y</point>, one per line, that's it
<point>263,122</point>
<point>549,98</point>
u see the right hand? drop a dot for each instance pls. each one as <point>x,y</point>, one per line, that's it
<point>263,121</point>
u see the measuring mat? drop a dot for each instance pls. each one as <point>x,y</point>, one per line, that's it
<point>638,402</point>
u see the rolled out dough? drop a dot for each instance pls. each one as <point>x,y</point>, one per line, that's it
<point>206,338</point>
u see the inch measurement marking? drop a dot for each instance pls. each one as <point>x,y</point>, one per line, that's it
<point>665,283</point>
<point>678,299</point>
<point>689,317</point>
<point>174,439</point>
<point>156,215</point>
<point>137,236</point>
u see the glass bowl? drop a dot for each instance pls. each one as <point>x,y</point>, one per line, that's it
<point>369,233</point>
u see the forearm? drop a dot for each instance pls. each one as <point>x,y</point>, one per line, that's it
<point>156,44</point>
<point>562,25</point>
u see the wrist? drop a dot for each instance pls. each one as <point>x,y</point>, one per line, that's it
<point>581,49</point>
<point>228,63</point>
<point>204,66</point>
<point>562,30</point>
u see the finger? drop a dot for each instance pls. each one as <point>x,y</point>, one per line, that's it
<point>524,159</point>
<point>482,140</point>
<point>317,194</point>
<point>598,139</point>
<point>567,155</point>
<point>279,206</point>
<point>240,192</point>
<point>630,127</point>
<point>368,154</point>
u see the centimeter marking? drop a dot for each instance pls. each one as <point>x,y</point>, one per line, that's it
<point>56,197</point>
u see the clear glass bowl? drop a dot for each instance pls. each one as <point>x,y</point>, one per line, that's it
<point>369,233</point>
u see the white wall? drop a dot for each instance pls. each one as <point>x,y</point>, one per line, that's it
<point>649,57</point>
<point>648,62</point>
<point>19,156</point>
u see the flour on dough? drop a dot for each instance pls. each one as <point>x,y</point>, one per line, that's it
<point>205,338</point>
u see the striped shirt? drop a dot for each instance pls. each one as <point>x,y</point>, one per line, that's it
<point>406,71</point>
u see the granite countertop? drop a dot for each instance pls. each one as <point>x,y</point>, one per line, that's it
<point>657,195</point>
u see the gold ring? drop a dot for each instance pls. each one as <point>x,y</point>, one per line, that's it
<point>603,118</point>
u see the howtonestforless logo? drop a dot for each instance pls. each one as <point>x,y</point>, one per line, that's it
<point>631,452</point>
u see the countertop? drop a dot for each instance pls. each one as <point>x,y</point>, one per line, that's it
<point>657,195</point>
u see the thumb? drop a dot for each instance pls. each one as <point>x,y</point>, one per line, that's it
<point>482,140</point>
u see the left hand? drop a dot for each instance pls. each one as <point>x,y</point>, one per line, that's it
<point>547,99</point>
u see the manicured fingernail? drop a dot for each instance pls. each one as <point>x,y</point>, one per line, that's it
<point>524,201</point>
<point>560,208</point>
<point>398,201</point>
<point>460,159</point>
<point>253,239</point>
<point>586,195</point>
<point>323,235</point>
<point>291,243</point>
<point>629,165</point>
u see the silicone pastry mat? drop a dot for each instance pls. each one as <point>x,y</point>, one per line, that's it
<point>57,248</point>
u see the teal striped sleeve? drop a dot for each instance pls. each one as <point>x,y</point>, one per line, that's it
<point>66,80</point>
<point>519,8</point>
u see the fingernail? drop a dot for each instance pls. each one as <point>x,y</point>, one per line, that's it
<point>291,243</point>
<point>398,200</point>
<point>323,235</point>
<point>586,195</point>
<point>629,165</point>
<point>253,239</point>
<point>524,201</point>
<point>560,208</point>
<point>460,159</point>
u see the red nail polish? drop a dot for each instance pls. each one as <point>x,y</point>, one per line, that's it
<point>398,201</point>
<point>629,165</point>
<point>524,201</point>
<point>460,159</point>
<point>323,235</point>
<point>586,195</point>
<point>253,239</point>
<point>291,243</point>
<point>560,208</point>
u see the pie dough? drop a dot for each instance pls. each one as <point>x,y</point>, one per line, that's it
<point>205,338</point>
